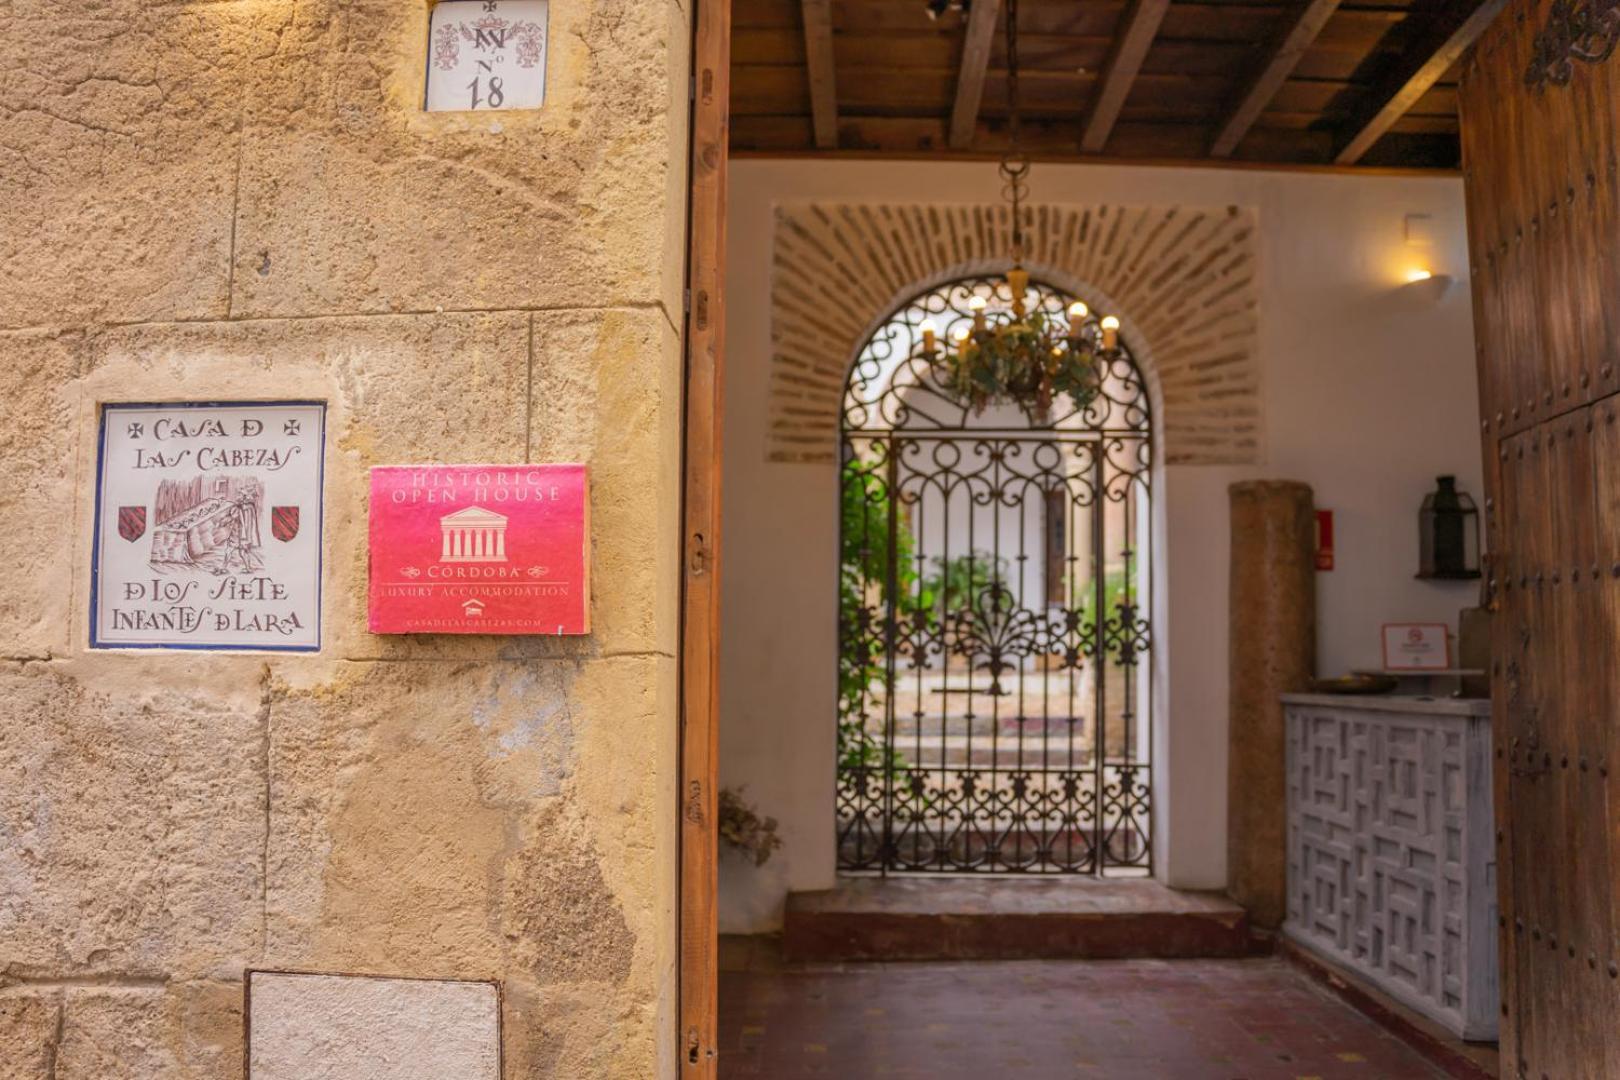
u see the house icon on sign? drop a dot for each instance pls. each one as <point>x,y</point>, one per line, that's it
<point>473,608</point>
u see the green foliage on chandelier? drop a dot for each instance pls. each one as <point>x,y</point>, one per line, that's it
<point>1027,361</point>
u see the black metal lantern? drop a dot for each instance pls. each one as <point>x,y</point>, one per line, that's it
<point>1448,526</point>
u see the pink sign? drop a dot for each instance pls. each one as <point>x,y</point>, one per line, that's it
<point>480,549</point>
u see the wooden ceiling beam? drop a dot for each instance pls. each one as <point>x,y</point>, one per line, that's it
<point>819,67</point>
<point>1414,79</point>
<point>1138,26</point>
<point>981,31</point>
<point>1285,55</point>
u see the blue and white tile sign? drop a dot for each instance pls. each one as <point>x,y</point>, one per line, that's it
<point>487,55</point>
<point>208,526</point>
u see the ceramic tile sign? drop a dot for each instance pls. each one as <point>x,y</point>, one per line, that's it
<point>487,55</point>
<point>208,526</point>
<point>480,549</point>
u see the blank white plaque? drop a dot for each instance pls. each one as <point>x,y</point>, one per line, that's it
<point>346,1027</point>
<point>487,55</point>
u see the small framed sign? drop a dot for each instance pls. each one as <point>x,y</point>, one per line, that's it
<point>1417,647</point>
<point>487,55</point>
<point>208,526</point>
<point>480,549</point>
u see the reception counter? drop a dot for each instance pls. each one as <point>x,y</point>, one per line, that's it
<point>1391,867</point>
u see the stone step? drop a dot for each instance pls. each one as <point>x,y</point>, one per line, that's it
<point>1004,756</point>
<point>1006,726</point>
<point>954,752</point>
<point>943,917</point>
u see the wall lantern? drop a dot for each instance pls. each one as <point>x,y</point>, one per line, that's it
<point>1448,527</point>
<point>1425,283</point>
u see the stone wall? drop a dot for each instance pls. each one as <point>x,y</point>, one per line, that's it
<point>243,199</point>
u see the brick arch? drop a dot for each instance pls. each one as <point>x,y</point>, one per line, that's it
<point>1183,279</point>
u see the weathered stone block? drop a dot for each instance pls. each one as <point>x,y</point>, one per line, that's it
<point>606,391</point>
<point>425,387</point>
<point>119,161</point>
<point>38,440</point>
<point>563,922</point>
<point>397,790</point>
<point>353,199</point>
<point>564,1030</point>
<point>475,821</point>
<point>179,1031</point>
<point>28,1024</point>
<point>115,1035</point>
<point>131,819</point>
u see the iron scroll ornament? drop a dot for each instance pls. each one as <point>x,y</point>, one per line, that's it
<point>1585,30</point>
<point>992,710</point>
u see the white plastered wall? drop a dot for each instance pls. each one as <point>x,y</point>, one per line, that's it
<point>1369,393</point>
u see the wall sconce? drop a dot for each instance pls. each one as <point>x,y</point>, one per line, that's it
<point>1425,283</point>
<point>1448,532</point>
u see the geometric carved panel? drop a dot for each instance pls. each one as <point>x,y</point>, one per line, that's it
<point>1181,279</point>
<point>1390,858</point>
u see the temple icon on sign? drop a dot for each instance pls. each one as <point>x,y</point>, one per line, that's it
<point>473,535</point>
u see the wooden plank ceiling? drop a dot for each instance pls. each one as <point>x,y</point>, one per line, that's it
<point>1369,83</point>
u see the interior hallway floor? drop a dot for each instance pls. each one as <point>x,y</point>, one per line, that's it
<point>1257,1019</point>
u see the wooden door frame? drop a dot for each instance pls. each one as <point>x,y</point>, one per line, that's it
<point>700,539</point>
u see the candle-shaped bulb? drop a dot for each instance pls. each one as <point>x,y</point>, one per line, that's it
<point>1018,283</point>
<point>1110,329</point>
<point>929,334</point>
<point>1077,317</point>
<point>961,336</point>
<point>977,306</point>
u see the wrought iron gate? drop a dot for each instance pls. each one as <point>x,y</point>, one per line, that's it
<point>995,700</point>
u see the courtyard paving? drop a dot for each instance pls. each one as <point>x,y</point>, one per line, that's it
<point>1259,1019</point>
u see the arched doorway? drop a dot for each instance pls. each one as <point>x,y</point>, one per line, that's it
<point>994,708</point>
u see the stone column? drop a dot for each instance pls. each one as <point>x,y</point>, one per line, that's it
<point>1272,647</point>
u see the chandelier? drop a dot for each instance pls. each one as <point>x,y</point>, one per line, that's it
<point>1012,355</point>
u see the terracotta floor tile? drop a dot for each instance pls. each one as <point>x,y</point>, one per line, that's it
<point>1045,1020</point>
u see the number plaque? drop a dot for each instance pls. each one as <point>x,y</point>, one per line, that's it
<point>487,55</point>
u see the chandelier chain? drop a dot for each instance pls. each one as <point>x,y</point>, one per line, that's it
<point>1012,72</point>
<point>1015,166</point>
<point>1018,355</point>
